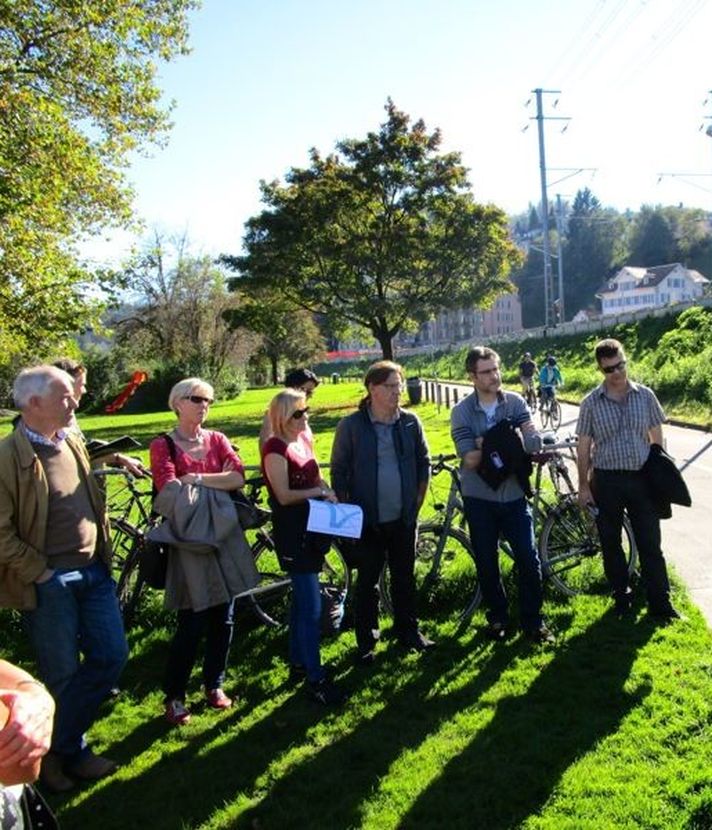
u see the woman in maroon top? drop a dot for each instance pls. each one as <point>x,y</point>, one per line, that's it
<point>293,477</point>
<point>204,458</point>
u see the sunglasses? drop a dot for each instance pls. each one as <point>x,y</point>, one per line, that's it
<point>617,367</point>
<point>198,399</point>
<point>298,414</point>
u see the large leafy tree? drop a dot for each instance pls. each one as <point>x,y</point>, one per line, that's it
<point>652,237</point>
<point>592,249</point>
<point>381,234</point>
<point>288,334</point>
<point>182,311</point>
<point>78,93</point>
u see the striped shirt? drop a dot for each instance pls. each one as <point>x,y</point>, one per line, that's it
<point>619,429</point>
<point>468,422</point>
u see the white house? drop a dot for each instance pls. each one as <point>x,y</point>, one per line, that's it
<point>660,285</point>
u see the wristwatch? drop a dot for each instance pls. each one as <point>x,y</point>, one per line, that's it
<point>198,479</point>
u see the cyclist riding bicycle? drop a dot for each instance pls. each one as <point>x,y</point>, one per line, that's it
<point>527,370</point>
<point>549,379</point>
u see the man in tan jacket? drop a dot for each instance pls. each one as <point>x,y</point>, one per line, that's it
<point>55,566</point>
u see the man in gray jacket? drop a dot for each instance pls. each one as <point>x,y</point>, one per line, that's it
<point>380,461</point>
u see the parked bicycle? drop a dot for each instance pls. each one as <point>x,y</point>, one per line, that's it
<point>129,506</point>
<point>569,547</point>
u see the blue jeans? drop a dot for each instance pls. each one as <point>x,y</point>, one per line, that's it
<point>78,637</point>
<point>218,622</point>
<point>513,520</point>
<point>305,624</point>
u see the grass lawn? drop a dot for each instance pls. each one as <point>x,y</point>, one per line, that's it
<point>610,728</point>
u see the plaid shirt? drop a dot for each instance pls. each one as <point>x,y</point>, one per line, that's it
<point>619,429</point>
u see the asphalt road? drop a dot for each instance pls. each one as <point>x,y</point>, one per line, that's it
<point>687,536</point>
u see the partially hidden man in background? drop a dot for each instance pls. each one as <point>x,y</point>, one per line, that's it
<point>55,554</point>
<point>486,426</point>
<point>380,461</point>
<point>618,422</point>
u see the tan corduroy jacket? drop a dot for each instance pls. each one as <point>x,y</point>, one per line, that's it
<point>24,503</point>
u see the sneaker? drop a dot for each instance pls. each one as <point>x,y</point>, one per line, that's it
<point>52,775</point>
<point>325,692</point>
<point>417,642</point>
<point>542,635</point>
<point>217,699</point>
<point>497,631</point>
<point>92,767</point>
<point>297,672</point>
<point>176,713</point>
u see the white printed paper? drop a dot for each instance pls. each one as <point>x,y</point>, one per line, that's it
<point>335,519</point>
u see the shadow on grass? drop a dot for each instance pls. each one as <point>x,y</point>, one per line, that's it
<point>512,767</point>
<point>509,769</point>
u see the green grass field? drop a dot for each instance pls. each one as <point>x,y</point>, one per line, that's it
<point>608,729</point>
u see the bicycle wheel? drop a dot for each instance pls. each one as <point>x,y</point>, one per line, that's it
<point>570,550</point>
<point>554,414</point>
<point>447,590</point>
<point>130,585</point>
<point>271,599</point>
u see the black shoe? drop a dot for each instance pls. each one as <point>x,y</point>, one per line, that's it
<point>623,606</point>
<point>325,692</point>
<point>666,615</point>
<point>417,642</point>
<point>365,658</point>
<point>542,635</point>
<point>497,631</point>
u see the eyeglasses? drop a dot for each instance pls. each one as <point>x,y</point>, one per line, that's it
<point>617,367</point>
<point>298,414</point>
<point>393,386</point>
<point>493,371</point>
<point>198,399</point>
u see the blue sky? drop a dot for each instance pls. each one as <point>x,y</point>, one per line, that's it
<point>268,79</point>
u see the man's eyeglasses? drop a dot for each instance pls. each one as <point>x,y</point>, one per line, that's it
<point>198,399</point>
<point>492,371</point>
<point>298,414</point>
<point>617,367</point>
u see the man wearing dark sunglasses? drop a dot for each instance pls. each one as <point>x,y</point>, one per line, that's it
<point>618,422</point>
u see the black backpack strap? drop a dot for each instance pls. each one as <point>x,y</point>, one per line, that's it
<point>172,453</point>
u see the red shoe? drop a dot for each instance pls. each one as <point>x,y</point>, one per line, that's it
<point>217,699</point>
<point>176,713</point>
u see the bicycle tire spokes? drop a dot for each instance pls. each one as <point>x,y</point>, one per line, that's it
<point>447,590</point>
<point>571,550</point>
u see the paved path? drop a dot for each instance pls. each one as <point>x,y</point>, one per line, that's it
<point>687,536</point>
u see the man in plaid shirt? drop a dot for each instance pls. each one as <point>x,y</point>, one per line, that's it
<point>618,421</point>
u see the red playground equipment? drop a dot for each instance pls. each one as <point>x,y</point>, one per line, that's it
<point>136,380</point>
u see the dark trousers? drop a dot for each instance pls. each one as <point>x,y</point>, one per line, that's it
<point>488,520</point>
<point>216,623</point>
<point>394,542</point>
<point>616,492</point>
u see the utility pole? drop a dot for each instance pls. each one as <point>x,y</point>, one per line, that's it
<point>560,263</point>
<point>549,316</point>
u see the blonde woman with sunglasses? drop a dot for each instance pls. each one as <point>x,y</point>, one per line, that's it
<point>293,477</point>
<point>192,454</point>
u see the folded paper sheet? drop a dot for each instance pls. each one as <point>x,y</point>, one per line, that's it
<point>335,519</point>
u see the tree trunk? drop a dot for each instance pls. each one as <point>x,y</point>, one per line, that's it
<point>385,340</point>
<point>275,371</point>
